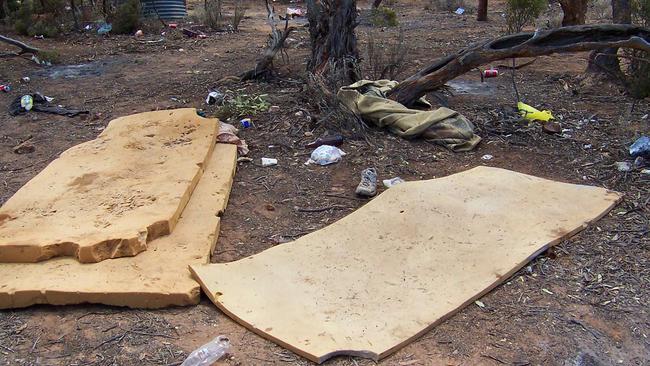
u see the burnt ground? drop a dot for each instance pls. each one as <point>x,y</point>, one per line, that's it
<point>585,302</point>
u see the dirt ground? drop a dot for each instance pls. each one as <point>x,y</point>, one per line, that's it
<point>585,302</point>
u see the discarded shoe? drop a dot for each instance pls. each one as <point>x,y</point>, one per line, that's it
<point>368,185</point>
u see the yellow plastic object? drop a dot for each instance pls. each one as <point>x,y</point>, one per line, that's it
<point>531,113</point>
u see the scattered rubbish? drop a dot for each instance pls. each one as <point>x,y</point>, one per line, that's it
<point>228,134</point>
<point>24,147</point>
<point>640,147</point>
<point>334,140</point>
<point>551,127</point>
<point>246,123</point>
<point>586,146</point>
<point>274,108</point>
<point>645,171</point>
<point>489,73</point>
<point>181,50</point>
<point>139,33</point>
<point>5,88</point>
<point>208,353</point>
<point>39,103</point>
<point>299,114</point>
<point>460,11</point>
<point>193,34</point>
<point>88,27</point>
<point>326,155</point>
<point>368,185</point>
<point>531,113</point>
<point>295,12</point>
<point>173,25</point>
<point>269,162</point>
<point>27,102</point>
<point>26,79</point>
<point>105,28</point>
<point>41,62</point>
<point>487,157</point>
<point>623,166</point>
<point>479,303</point>
<point>201,113</point>
<point>214,97</point>
<point>392,182</point>
<point>39,36</point>
<point>547,291</point>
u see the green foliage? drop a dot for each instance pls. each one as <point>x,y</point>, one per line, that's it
<point>127,17</point>
<point>23,17</point>
<point>520,13</point>
<point>43,27</point>
<point>384,17</point>
<point>243,105</point>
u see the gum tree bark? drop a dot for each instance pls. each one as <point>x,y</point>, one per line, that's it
<point>560,40</point>
<point>605,60</point>
<point>575,12</point>
<point>481,13</point>
<point>334,51</point>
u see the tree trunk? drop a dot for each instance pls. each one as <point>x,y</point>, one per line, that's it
<point>567,39</point>
<point>73,9</point>
<point>334,51</point>
<point>605,60</point>
<point>376,3</point>
<point>24,48</point>
<point>575,12</point>
<point>481,13</point>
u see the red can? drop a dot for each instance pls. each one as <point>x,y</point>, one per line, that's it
<point>489,73</point>
<point>5,88</point>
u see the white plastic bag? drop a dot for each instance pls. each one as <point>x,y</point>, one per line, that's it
<point>326,155</point>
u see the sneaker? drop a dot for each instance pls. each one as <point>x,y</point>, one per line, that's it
<point>368,185</point>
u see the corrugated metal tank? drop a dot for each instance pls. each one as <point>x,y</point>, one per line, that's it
<point>165,9</point>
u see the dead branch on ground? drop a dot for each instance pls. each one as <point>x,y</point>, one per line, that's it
<point>24,48</point>
<point>277,38</point>
<point>560,40</point>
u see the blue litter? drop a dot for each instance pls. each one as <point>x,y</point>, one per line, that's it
<point>105,28</point>
<point>641,147</point>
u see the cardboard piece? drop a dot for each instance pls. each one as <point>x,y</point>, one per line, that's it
<point>109,197</point>
<point>155,278</point>
<point>398,266</point>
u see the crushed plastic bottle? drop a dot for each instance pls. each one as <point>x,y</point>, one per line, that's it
<point>641,147</point>
<point>208,353</point>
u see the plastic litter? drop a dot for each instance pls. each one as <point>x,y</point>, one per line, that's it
<point>173,25</point>
<point>487,157</point>
<point>214,97</point>
<point>208,353</point>
<point>105,28</point>
<point>5,88</point>
<point>392,182</point>
<point>531,113</point>
<point>269,162</point>
<point>292,12</point>
<point>27,102</point>
<point>139,33</point>
<point>460,11</point>
<point>623,166</point>
<point>641,147</point>
<point>26,79</point>
<point>326,155</point>
<point>246,123</point>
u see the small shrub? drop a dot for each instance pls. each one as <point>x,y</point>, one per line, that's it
<point>23,18</point>
<point>385,59</point>
<point>126,18</point>
<point>520,13</point>
<point>212,14</point>
<point>243,105</point>
<point>237,16</point>
<point>43,27</point>
<point>384,17</point>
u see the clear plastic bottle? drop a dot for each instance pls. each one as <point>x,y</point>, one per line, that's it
<point>208,353</point>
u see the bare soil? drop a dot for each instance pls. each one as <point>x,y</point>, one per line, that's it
<point>585,302</point>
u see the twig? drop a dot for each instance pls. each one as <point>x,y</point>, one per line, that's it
<point>25,48</point>
<point>514,83</point>
<point>6,348</point>
<point>495,359</point>
<point>319,209</point>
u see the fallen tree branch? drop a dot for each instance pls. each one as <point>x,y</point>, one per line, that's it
<point>264,65</point>
<point>24,48</point>
<point>560,40</point>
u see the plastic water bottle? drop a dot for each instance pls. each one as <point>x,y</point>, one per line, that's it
<point>208,353</point>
